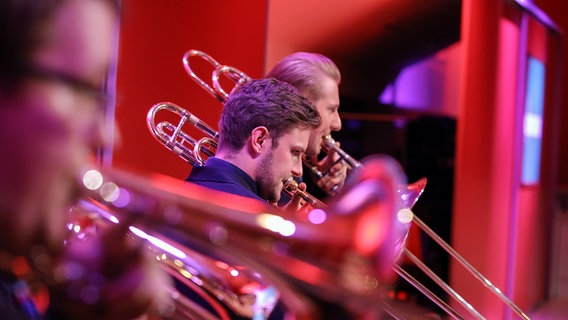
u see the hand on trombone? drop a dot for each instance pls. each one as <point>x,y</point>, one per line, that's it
<point>330,172</point>
<point>298,203</point>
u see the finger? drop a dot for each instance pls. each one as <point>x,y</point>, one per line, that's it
<point>326,185</point>
<point>328,160</point>
<point>337,168</point>
<point>332,184</point>
<point>297,201</point>
<point>321,183</point>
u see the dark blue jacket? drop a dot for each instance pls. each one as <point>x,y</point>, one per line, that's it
<point>218,174</point>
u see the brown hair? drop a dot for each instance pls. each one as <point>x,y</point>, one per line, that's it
<point>273,104</point>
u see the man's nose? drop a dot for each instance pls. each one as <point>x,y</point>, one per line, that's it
<point>297,169</point>
<point>335,122</point>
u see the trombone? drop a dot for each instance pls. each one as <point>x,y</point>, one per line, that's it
<point>215,88</point>
<point>412,190</point>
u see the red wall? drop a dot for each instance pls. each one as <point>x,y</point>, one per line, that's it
<point>558,12</point>
<point>499,224</point>
<point>153,38</point>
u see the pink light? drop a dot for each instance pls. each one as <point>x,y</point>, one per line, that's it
<point>317,216</point>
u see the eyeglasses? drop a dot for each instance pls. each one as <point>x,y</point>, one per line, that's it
<point>92,92</point>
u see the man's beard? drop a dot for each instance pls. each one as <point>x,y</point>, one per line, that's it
<point>265,180</point>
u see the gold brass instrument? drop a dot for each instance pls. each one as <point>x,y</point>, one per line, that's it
<point>196,53</point>
<point>410,194</point>
<point>236,75</point>
<point>412,191</point>
<point>291,188</point>
<point>177,140</point>
<point>346,266</point>
<point>215,89</point>
<point>328,144</point>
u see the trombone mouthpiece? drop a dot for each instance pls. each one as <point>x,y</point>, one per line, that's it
<point>328,144</point>
<point>291,188</point>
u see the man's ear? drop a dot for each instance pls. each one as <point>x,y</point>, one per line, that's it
<point>259,139</point>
